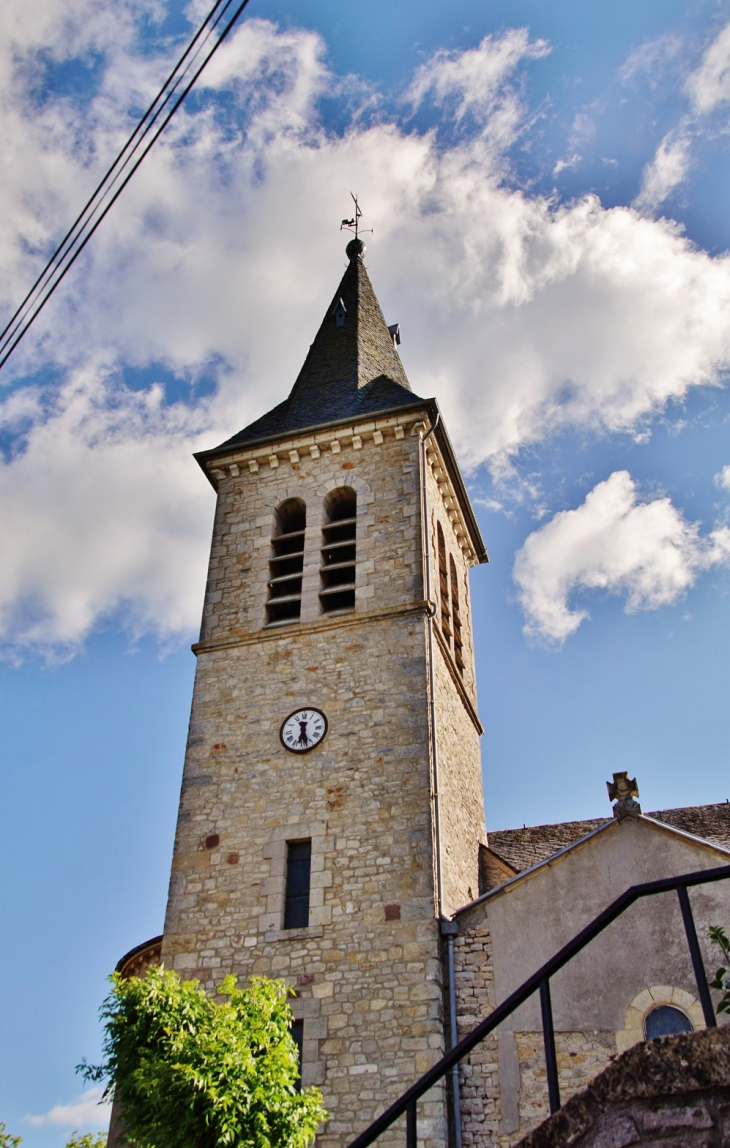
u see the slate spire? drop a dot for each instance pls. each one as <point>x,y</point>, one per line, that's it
<point>352,368</point>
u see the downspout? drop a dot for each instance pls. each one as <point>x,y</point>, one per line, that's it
<point>432,608</point>
<point>450,930</point>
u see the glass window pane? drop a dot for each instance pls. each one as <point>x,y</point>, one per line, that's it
<point>298,868</point>
<point>666,1021</point>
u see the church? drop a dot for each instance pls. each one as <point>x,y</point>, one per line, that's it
<point>331,827</point>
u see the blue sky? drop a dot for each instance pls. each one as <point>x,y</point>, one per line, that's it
<point>547,187</point>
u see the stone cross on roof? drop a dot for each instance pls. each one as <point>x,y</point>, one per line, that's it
<point>622,790</point>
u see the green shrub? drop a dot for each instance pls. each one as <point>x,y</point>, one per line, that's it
<point>192,1072</point>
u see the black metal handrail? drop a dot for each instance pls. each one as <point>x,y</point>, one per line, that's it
<point>540,982</point>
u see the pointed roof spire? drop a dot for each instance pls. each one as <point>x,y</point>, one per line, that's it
<point>352,368</point>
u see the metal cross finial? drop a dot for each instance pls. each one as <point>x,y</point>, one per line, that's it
<point>354,223</point>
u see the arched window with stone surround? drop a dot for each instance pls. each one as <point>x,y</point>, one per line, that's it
<point>445,607</point>
<point>456,617</point>
<point>286,563</point>
<point>666,1020</point>
<point>659,1010</point>
<point>338,552</point>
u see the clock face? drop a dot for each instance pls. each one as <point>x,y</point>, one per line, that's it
<point>303,730</point>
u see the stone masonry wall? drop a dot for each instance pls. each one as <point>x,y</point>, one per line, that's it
<point>479,1072</point>
<point>367,969</point>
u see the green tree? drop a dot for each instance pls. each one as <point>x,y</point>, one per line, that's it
<point>87,1140</point>
<point>721,979</point>
<point>6,1140</point>
<point>190,1072</point>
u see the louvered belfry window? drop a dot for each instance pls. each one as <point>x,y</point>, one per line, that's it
<point>443,586</point>
<point>456,617</point>
<point>338,553</point>
<point>286,563</point>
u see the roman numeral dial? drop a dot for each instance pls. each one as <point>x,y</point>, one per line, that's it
<point>303,730</point>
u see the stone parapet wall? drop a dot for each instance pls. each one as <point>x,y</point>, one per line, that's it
<point>673,1092</point>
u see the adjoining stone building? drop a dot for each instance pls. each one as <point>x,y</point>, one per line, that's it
<point>634,979</point>
<point>331,814</point>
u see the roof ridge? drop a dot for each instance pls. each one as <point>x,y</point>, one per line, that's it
<point>657,813</point>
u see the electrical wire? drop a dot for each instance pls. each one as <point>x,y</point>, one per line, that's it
<point>42,289</point>
<point>75,231</point>
<point>83,228</point>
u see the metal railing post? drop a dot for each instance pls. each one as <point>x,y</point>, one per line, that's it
<point>697,963</point>
<point>548,1034</point>
<point>411,1126</point>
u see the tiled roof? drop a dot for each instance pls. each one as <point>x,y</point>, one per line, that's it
<point>522,848</point>
<point>352,368</point>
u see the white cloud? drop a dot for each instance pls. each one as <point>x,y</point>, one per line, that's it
<point>84,1111</point>
<point>723,478</point>
<point>522,316</point>
<point>474,80</point>
<point>571,163</point>
<point>652,58</point>
<point>645,552</point>
<point>709,85</point>
<point>106,514</point>
<point>666,171</point>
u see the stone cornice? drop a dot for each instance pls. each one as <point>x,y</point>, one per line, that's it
<point>451,500</point>
<point>324,625</point>
<point>293,447</point>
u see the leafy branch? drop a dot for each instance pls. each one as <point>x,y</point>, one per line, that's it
<point>721,980</point>
<point>75,1140</point>
<point>6,1140</point>
<point>189,1071</point>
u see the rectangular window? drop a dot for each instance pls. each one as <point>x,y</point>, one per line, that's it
<point>298,867</point>
<point>297,1032</point>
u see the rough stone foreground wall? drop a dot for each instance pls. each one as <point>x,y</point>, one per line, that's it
<point>673,1092</point>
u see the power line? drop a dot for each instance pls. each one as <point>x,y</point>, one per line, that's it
<point>85,224</point>
<point>74,233</point>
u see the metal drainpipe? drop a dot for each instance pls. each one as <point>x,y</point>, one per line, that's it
<point>432,607</point>
<point>450,930</point>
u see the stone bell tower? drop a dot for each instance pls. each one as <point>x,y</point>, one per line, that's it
<point>331,804</point>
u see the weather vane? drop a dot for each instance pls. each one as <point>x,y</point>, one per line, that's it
<point>354,223</point>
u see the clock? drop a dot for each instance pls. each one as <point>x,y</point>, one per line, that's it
<point>303,730</point>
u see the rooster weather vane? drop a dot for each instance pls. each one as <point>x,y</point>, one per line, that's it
<point>354,223</point>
